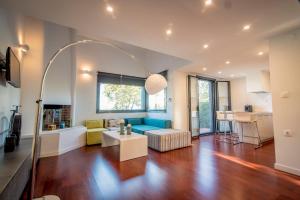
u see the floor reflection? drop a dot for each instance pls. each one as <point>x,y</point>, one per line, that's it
<point>207,171</point>
<point>257,167</point>
<point>155,176</point>
<point>132,168</point>
<point>132,175</point>
<point>105,176</point>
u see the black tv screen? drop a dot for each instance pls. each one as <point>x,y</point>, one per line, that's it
<point>12,69</point>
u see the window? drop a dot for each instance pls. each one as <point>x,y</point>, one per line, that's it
<point>158,102</point>
<point>117,93</point>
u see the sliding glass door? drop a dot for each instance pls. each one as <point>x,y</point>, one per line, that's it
<point>194,106</point>
<point>206,106</point>
<point>223,102</point>
<point>202,105</point>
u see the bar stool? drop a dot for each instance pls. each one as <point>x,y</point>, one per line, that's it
<point>242,120</point>
<point>226,117</point>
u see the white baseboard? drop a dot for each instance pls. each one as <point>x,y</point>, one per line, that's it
<point>65,150</point>
<point>55,153</point>
<point>62,151</point>
<point>287,169</point>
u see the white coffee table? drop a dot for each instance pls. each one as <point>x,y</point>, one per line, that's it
<point>131,146</point>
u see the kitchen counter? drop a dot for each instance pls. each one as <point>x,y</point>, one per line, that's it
<point>249,113</point>
<point>264,123</point>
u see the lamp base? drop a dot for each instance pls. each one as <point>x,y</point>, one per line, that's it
<point>48,197</point>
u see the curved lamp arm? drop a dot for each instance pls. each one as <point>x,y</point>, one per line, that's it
<point>39,101</point>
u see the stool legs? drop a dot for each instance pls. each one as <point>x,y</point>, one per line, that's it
<point>217,133</point>
<point>235,136</point>
<point>229,136</point>
<point>242,127</point>
<point>258,135</point>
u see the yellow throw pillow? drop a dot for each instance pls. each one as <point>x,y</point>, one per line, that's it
<point>94,123</point>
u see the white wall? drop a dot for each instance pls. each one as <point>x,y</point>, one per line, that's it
<point>285,70</point>
<point>240,97</point>
<point>180,100</point>
<point>44,39</point>
<point>31,72</point>
<point>9,95</point>
<point>58,81</point>
<point>106,59</point>
<point>177,101</point>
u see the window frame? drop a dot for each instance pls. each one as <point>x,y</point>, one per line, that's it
<point>143,100</point>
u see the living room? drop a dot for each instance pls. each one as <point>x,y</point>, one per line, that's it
<point>130,97</point>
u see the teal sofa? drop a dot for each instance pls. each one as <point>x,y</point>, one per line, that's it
<point>140,125</point>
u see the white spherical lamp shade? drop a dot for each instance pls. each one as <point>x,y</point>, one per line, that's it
<point>155,83</point>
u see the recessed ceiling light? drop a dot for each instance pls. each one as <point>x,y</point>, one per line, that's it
<point>204,68</point>
<point>246,27</point>
<point>260,53</point>
<point>169,32</point>
<point>219,72</point>
<point>227,62</point>
<point>205,46</point>
<point>208,2</point>
<point>109,9</point>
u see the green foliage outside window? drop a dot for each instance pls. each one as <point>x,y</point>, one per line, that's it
<point>121,97</point>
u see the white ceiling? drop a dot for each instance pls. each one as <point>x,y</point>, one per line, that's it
<point>143,23</point>
<point>152,61</point>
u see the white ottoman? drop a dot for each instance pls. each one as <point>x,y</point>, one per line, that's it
<point>168,139</point>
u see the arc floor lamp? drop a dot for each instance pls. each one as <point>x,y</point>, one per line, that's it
<point>154,84</point>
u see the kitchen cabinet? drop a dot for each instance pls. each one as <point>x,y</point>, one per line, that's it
<point>258,82</point>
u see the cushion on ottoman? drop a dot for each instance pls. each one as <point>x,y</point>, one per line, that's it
<point>142,128</point>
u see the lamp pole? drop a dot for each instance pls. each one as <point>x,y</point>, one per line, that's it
<point>39,103</point>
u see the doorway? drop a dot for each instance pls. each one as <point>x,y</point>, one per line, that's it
<point>202,105</point>
<point>207,95</point>
<point>223,103</point>
<point>206,106</point>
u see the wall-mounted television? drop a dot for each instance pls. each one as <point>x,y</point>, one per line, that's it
<point>12,69</point>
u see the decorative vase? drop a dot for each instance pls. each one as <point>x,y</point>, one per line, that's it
<point>122,128</point>
<point>129,129</point>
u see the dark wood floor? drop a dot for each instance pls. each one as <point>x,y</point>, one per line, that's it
<point>207,170</point>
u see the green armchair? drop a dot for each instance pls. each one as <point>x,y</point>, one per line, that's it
<point>94,131</point>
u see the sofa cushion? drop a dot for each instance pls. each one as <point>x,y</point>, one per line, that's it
<point>161,123</point>
<point>94,123</point>
<point>113,123</point>
<point>134,121</point>
<point>142,128</point>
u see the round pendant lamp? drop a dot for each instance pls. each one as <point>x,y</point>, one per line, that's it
<point>155,83</point>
